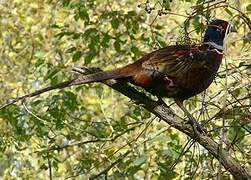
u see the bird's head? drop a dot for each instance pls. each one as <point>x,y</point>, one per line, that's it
<point>216,32</point>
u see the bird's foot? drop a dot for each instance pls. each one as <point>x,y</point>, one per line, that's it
<point>197,127</point>
<point>160,101</point>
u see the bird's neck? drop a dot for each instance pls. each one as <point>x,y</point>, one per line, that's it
<point>216,46</point>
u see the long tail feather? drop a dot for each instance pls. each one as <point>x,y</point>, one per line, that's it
<point>96,77</point>
<point>104,75</point>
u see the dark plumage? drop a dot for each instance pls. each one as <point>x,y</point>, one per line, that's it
<point>179,71</point>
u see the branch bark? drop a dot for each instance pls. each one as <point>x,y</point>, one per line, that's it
<point>166,114</point>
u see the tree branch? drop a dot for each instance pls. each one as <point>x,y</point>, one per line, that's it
<point>167,115</point>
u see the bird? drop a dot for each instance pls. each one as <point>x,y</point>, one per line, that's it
<point>176,71</point>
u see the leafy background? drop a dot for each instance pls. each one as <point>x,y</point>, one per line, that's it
<point>92,131</point>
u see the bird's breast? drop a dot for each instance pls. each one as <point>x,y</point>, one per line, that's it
<point>198,79</point>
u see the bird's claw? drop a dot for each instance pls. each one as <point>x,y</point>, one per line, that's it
<point>197,127</point>
<point>160,101</point>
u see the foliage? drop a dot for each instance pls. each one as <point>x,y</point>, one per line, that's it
<point>92,131</point>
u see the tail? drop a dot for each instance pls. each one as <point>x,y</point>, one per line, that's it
<point>126,71</point>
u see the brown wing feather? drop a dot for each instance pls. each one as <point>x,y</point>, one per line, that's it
<point>173,61</point>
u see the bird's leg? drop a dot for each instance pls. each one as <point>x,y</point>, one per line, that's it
<point>197,128</point>
<point>160,101</point>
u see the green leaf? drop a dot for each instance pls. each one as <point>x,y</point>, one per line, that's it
<point>90,55</point>
<point>135,27</point>
<point>84,15</point>
<point>39,54</point>
<point>54,26</point>
<point>36,102</point>
<point>139,160</point>
<point>159,27</point>
<point>115,23</point>
<point>51,73</point>
<point>199,1</point>
<point>105,41</point>
<point>99,130</point>
<point>166,5</point>
<point>135,50</point>
<point>247,38</point>
<point>66,2</point>
<point>91,31</point>
<point>39,63</point>
<point>249,8</point>
<point>62,34</point>
<point>229,12</point>
<point>197,24</point>
<point>76,56</point>
<point>165,171</point>
<point>170,153</point>
<point>117,45</point>
<point>232,113</point>
<point>130,14</point>
<point>43,167</point>
<point>76,35</point>
<point>71,50</point>
<point>70,100</point>
<point>236,134</point>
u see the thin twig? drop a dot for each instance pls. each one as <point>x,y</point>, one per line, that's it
<point>49,167</point>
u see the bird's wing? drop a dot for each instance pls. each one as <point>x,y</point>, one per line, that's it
<point>175,60</point>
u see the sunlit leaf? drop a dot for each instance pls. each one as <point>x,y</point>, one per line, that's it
<point>139,160</point>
